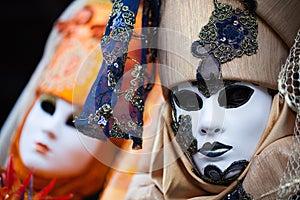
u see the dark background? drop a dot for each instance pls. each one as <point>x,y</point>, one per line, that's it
<point>25,26</point>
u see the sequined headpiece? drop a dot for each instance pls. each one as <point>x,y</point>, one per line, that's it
<point>243,56</point>
<point>229,33</point>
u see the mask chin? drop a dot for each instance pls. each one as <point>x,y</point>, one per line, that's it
<point>188,143</point>
<point>214,175</point>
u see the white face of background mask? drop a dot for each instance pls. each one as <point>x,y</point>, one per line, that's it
<point>49,142</point>
<point>241,127</point>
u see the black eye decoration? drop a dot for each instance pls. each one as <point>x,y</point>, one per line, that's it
<point>188,100</point>
<point>48,103</point>
<point>234,96</point>
<point>70,122</point>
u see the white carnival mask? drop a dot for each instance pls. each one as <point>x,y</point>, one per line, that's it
<point>227,125</point>
<point>49,142</point>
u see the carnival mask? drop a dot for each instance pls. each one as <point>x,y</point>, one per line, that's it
<point>49,142</point>
<point>226,127</point>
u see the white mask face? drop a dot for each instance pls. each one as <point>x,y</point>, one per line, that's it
<point>49,142</point>
<point>227,125</point>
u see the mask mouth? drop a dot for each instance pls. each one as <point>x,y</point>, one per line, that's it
<point>41,148</point>
<point>214,149</point>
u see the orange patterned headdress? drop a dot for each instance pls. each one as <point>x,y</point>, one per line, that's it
<point>78,53</point>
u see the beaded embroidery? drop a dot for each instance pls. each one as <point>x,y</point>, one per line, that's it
<point>229,33</point>
<point>184,136</point>
<point>98,118</point>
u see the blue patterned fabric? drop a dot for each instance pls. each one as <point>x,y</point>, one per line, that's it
<point>110,110</point>
<point>97,119</point>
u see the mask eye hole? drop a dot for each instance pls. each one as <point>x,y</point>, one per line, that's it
<point>48,103</point>
<point>234,96</point>
<point>70,122</point>
<point>70,119</point>
<point>188,100</point>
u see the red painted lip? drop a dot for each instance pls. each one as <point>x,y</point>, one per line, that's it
<point>41,148</point>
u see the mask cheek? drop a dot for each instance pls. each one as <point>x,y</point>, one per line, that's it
<point>184,135</point>
<point>34,119</point>
<point>194,119</point>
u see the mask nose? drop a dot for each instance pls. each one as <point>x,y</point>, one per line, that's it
<point>210,130</point>
<point>51,134</point>
<point>52,126</point>
<point>211,118</point>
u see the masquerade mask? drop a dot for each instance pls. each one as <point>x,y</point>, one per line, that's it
<point>49,142</point>
<point>215,113</point>
<point>224,129</point>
